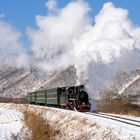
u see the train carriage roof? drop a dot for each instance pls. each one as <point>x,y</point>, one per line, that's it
<point>51,89</point>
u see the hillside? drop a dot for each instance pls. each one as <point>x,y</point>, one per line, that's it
<point>18,82</point>
<point>128,84</point>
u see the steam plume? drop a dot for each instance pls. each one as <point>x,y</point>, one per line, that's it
<point>111,45</point>
<point>98,50</point>
<point>11,49</point>
<point>52,42</point>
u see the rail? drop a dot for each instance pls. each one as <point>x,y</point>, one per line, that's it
<point>117,118</point>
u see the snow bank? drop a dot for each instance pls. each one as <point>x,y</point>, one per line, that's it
<point>10,122</point>
<point>70,125</point>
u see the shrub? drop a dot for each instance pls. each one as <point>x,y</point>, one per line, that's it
<point>39,128</point>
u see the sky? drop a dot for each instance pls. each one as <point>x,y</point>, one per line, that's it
<point>22,13</point>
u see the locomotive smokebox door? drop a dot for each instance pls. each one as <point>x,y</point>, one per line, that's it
<point>70,93</point>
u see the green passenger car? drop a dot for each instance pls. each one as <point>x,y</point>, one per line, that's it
<point>45,97</point>
<point>73,98</point>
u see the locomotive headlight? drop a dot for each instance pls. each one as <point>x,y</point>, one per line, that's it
<point>83,103</point>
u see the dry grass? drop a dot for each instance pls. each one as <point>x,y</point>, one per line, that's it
<point>120,106</point>
<point>13,100</point>
<point>39,128</point>
<point>61,126</point>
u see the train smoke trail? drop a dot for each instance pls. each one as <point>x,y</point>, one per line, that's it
<point>98,47</point>
<point>11,47</point>
<point>111,45</point>
<point>52,42</point>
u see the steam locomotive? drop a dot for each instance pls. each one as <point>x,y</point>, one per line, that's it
<point>73,98</point>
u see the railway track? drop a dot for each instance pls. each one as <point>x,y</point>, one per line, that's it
<point>117,118</point>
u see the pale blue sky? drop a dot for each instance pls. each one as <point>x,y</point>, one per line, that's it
<point>21,13</point>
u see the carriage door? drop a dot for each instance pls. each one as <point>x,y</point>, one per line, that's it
<point>63,97</point>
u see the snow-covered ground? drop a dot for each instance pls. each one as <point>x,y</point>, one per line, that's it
<point>70,125</point>
<point>125,130</point>
<point>10,123</point>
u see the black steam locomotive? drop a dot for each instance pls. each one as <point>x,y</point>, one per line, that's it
<point>73,98</point>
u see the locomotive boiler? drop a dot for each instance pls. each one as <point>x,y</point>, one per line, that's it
<point>73,98</point>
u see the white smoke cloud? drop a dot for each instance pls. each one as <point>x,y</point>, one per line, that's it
<point>67,37</point>
<point>52,42</point>
<point>111,45</point>
<point>51,5</point>
<point>11,51</point>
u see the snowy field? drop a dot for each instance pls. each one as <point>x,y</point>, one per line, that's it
<point>71,125</point>
<point>10,123</point>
